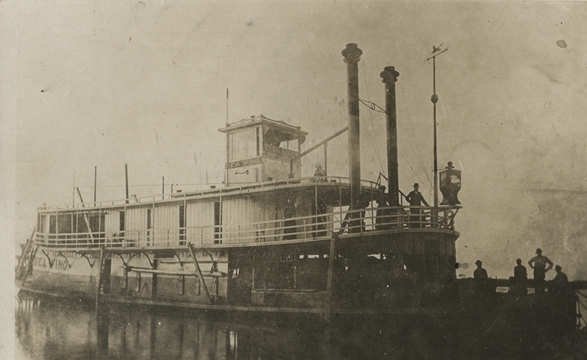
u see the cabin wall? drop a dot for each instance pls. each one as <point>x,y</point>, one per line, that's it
<point>201,215</point>
<point>112,224</point>
<point>136,226</point>
<point>279,170</point>
<point>166,224</point>
<point>239,214</point>
<point>244,174</point>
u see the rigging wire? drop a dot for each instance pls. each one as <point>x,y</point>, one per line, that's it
<point>371,118</point>
<point>374,107</point>
<point>419,153</point>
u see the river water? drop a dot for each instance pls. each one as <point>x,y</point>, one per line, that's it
<point>49,329</point>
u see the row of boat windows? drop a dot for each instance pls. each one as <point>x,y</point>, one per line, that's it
<point>68,223</point>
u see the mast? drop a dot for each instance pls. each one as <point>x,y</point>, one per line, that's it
<point>352,55</point>
<point>436,51</point>
<point>434,100</point>
<point>390,76</point>
<point>126,180</point>
<point>95,181</point>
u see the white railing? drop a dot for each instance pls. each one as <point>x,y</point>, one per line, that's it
<point>263,186</point>
<point>298,228</point>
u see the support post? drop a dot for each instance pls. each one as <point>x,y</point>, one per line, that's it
<point>85,215</point>
<point>99,282</point>
<point>199,272</point>
<point>330,283</point>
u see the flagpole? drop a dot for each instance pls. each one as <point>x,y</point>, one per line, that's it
<point>436,51</point>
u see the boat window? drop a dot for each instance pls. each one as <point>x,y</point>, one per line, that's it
<point>258,141</point>
<point>149,226</point>
<point>217,223</point>
<point>121,219</point>
<point>52,224</point>
<point>64,222</point>
<point>182,225</point>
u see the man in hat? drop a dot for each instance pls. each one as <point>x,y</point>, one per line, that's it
<point>415,198</point>
<point>540,264</point>
<point>482,286</point>
<point>480,273</point>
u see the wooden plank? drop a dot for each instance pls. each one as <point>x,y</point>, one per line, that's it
<point>199,272</point>
<point>174,273</point>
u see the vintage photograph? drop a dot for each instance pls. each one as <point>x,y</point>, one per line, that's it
<point>294,179</point>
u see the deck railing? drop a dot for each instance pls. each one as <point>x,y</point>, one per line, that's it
<point>263,186</point>
<point>298,228</point>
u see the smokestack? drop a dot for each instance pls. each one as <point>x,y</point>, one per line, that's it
<point>390,76</point>
<point>352,55</point>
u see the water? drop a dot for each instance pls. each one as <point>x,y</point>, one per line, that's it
<point>48,329</point>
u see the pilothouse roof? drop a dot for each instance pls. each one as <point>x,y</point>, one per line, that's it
<point>281,129</point>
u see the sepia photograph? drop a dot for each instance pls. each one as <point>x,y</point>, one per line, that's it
<point>310,179</point>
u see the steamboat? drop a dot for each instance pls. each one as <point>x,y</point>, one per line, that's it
<point>272,242</point>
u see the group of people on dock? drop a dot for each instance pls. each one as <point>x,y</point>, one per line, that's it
<point>519,282</point>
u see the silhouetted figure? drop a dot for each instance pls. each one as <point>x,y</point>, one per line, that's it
<point>560,283</point>
<point>540,264</point>
<point>319,174</point>
<point>483,286</point>
<point>415,198</point>
<point>520,278</point>
<point>480,273</point>
<point>381,203</point>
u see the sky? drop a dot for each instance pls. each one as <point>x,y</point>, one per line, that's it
<point>102,84</point>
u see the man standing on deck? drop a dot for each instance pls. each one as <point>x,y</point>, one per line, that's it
<point>415,198</point>
<point>540,264</point>
<point>480,273</point>
<point>560,282</point>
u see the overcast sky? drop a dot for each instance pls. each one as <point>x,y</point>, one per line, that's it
<point>104,83</point>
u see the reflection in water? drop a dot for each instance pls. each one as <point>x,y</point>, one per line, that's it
<point>65,330</point>
<point>60,330</point>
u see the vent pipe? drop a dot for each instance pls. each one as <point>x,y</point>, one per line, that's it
<point>352,55</point>
<point>390,76</point>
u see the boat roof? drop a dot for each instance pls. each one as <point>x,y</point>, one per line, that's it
<point>264,188</point>
<point>288,132</point>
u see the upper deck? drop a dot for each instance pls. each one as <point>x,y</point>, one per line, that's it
<point>303,209</point>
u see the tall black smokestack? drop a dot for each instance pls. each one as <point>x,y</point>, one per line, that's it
<point>352,55</point>
<point>390,76</point>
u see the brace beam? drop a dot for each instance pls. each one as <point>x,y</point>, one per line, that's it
<point>199,272</point>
